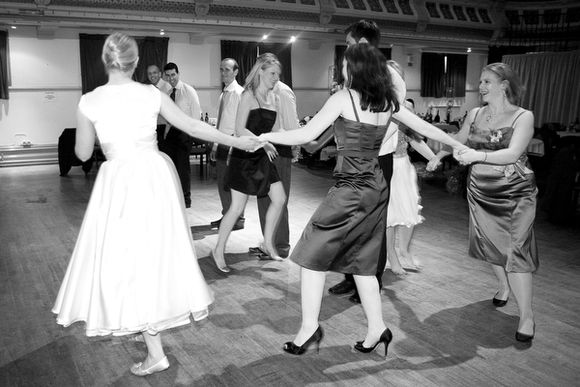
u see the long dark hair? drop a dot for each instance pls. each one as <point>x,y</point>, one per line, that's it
<point>367,73</point>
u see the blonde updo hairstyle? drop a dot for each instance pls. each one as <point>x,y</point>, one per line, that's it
<point>120,53</point>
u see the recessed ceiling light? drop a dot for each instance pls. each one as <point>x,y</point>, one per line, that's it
<point>292,39</point>
<point>265,36</point>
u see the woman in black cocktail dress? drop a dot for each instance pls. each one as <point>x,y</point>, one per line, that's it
<point>254,173</point>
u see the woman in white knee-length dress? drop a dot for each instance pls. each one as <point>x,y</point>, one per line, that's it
<point>133,268</point>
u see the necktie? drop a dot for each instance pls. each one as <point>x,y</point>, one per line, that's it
<point>221,108</point>
<point>167,127</point>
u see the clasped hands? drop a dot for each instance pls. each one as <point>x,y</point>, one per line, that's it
<point>465,155</point>
<point>252,144</point>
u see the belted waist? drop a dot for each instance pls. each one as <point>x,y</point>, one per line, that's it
<point>367,154</point>
<point>120,149</point>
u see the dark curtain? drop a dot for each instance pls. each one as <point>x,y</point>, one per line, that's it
<point>495,53</point>
<point>456,74</point>
<point>338,57</point>
<point>3,65</point>
<point>284,53</point>
<point>152,50</point>
<point>245,53</point>
<point>432,75</point>
<point>93,72</point>
<point>551,80</point>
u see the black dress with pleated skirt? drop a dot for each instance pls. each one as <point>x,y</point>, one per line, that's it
<point>252,173</point>
<point>347,230</point>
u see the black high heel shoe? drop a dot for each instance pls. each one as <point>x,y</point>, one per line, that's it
<point>524,337</point>
<point>499,302</point>
<point>294,349</point>
<point>386,338</point>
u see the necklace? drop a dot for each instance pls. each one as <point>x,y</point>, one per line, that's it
<point>490,116</point>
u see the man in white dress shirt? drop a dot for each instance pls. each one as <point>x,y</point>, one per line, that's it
<point>226,123</point>
<point>288,120</point>
<point>177,144</point>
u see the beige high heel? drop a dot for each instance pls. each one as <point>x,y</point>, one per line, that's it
<point>224,269</point>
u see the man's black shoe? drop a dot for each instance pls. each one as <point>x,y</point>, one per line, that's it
<point>355,298</point>
<point>343,287</point>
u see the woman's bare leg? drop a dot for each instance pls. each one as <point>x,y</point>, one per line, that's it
<point>503,286</point>
<point>277,200</point>
<point>236,209</point>
<point>392,257</point>
<point>311,289</point>
<point>521,285</point>
<point>370,297</point>
<point>154,349</point>
<point>405,237</point>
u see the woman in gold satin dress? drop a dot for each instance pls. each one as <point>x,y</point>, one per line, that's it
<point>501,189</point>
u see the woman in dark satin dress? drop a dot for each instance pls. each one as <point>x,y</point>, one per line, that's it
<point>254,173</point>
<point>502,189</point>
<point>346,232</point>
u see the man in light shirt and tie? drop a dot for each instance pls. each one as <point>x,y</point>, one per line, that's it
<point>177,144</point>
<point>226,123</point>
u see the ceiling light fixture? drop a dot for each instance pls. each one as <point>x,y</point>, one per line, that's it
<point>468,49</point>
<point>292,39</point>
<point>162,32</point>
<point>265,36</point>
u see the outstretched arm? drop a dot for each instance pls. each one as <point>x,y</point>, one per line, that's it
<point>415,123</point>
<point>320,142</point>
<point>423,149</point>
<point>199,129</point>
<point>314,128</point>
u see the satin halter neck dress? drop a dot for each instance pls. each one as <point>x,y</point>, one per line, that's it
<point>502,204</point>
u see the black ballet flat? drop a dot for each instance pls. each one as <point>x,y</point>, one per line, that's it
<point>294,349</point>
<point>522,337</point>
<point>386,338</point>
<point>499,303</point>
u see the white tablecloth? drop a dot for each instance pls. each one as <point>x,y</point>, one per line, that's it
<point>536,147</point>
<point>568,134</point>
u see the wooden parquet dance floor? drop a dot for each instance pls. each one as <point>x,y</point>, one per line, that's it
<point>446,330</point>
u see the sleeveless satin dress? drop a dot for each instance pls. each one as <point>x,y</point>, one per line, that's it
<point>502,205</point>
<point>346,232</point>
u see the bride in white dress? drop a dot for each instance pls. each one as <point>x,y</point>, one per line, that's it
<point>133,268</point>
